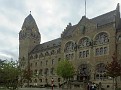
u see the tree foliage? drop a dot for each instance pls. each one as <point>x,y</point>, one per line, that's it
<point>9,72</point>
<point>65,69</point>
<point>27,75</point>
<point>113,69</point>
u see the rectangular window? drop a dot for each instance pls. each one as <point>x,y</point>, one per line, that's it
<point>101,51</point>
<point>84,54</point>
<point>46,62</point>
<point>36,64</point>
<point>105,50</point>
<point>87,53</point>
<point>52,61</point>
<point>40,71</point>
<point>80,54</point>
<point>72,55</point>
<point>59,59</point>
<point>97,51</point>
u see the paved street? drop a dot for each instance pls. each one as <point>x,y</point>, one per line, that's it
<point>46,89</point>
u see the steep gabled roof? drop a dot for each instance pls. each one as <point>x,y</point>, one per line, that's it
<point>47,45</point>
<point>105,18</point>
<point>29,23</point>
<point>99,20</point>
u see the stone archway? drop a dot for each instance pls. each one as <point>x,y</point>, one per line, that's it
<point>83,72</point>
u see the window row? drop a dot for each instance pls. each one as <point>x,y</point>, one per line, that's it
<point>100,71</point>
<point>46,62</point>
<point>35,81</point>
<point>101,38</point>
<point>69,56</point>
<point>47,53</point>
<point>101,51</point>
<point>84,54</point>
<point>45,71</point>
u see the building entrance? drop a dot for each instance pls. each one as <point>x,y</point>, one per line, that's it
<point>83,73</point>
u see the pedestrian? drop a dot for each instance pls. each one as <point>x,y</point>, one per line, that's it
<point>93,86</point>
<point>88,86</point>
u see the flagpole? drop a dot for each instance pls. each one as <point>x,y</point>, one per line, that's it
<point>85,8</point>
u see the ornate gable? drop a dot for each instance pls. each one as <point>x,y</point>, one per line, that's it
<point>85,25</point>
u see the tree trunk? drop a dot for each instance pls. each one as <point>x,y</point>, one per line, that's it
<point>116,83</point>
<point>27,83</point>
<point>113,84</point>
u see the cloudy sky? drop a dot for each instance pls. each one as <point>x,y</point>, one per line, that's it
<point>52,17</point>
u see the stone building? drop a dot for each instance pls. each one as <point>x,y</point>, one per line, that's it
<point>89,45</point>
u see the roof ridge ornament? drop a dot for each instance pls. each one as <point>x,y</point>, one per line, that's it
<point>118,7</point>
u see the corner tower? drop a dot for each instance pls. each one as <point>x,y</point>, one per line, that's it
<point>29,37</point>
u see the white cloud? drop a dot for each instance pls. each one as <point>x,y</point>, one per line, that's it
<point>51,16</point>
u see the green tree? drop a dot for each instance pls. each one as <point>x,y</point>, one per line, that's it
<point>65,69</point>
<point>9,74</point>
<point>113,69</point>
<point>1,72</point>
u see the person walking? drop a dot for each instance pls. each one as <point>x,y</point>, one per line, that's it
<point>93,87</point>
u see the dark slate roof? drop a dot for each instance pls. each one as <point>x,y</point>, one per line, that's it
<point>29,23</point>
<point>47,45</point>
<point>99,20</point>
<point>119,26</point>
<point>105,18</point>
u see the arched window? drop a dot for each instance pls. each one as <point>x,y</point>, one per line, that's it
<point>41,55</point>
<point>100,68</point>
<point>69,50</point>
<point>58,50</point>
<point>100,71</point>
<point>69,47</point>
<point>84,42</point>
<point>40,80</point>
<point>101,38</point>
<point>46,53</point>
<point>84,70</point>
<point>36,56</point>
<point>53,52</point>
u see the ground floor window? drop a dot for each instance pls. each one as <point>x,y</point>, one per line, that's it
<point>100,71</point>
<point>101,76</point>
